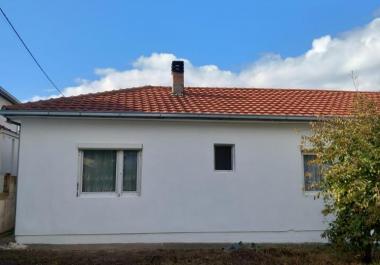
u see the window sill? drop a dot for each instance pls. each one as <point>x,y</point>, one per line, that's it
<point>311,193</point>
<point>130,194</point>
<point>108,194</point>
<point>98,195</point>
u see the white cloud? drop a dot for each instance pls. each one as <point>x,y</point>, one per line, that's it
<point>327,64</point>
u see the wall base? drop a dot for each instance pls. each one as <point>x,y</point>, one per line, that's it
<point>219,237</point>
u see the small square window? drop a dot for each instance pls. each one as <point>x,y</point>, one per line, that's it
<point>223,157</point>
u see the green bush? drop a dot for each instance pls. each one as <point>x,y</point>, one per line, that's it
<point>348,153</point>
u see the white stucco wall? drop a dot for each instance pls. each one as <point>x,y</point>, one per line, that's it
<point>8,146</point>
<point>182,198</point>
<point>8,153</point>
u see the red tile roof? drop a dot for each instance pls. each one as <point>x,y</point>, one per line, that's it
<point>202,100</point>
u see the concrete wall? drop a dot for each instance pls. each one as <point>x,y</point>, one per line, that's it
<point>182,198</point>
<point>8,155</point>
<point>8,165</point>
<point>8,146</point>
<point>7,204</point>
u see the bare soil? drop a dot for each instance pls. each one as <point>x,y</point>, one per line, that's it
<point>168,255</point>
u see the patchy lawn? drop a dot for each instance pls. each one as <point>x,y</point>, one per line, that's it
<point>124,254</point>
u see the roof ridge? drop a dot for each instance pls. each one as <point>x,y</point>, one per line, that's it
<point>284,89</point>
<point>113,91</point>
<point>100,93</point>
<point>199,87</point>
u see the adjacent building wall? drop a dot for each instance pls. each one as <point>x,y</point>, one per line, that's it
<point>182,198</point>
<point>8,146</point>
<point>8,154</point>
<point>7,204</point>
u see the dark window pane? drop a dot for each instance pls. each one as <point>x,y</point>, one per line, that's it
<point>312,173</point>
<point>130,171</point>
<point>223,157</point>
<point>99,171</point>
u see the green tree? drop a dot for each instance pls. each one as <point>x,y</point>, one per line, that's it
<point>348,152</point>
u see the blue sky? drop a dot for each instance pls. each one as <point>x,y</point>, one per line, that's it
<point>73,38</point>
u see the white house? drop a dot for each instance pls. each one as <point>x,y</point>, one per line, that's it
<point>8,140</point>
<point>8,164</point>
<point>171,164</point>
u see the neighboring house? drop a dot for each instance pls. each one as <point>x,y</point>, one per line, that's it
<point>171,164</point>
<point>8,140</point>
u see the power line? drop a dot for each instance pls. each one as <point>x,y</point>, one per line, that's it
<point>30,53</point>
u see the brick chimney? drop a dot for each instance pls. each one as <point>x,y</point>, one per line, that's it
<point>178,78</point>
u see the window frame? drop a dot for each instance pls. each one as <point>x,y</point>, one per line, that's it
<point>119,148</point>
<point>233,164</point>
<point>307,192</point>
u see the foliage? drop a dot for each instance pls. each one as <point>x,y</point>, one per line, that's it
<point>348,152</point>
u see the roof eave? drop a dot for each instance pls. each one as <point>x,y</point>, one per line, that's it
<point>12,99</point>
<point>150,115</point>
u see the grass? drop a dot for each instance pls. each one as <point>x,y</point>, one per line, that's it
<point>121,254</point>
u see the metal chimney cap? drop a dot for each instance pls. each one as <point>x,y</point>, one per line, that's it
<point>177,66</point>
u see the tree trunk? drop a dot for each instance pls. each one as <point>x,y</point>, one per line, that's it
<point>367,255</point>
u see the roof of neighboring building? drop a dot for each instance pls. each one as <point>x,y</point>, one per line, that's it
<point>5,94</point>
<point>6,129</point>
<point>199,102</point>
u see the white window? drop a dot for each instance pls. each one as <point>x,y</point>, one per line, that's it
<point>112,171</point>
<point>223,157</point>
<point>312,173</point>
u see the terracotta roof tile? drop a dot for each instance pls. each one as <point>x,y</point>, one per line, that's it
<point>202,100</point>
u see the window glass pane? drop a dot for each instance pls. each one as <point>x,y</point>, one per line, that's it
<point>130,170</point>
<point>99,171</point>
<point>223,157</point>
<point>312,173</point>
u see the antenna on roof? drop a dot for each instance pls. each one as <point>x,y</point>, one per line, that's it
<point>355,80</point>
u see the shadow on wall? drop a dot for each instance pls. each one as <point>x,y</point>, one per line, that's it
<point>8,204</point>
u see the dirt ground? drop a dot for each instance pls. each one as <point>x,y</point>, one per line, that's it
<point>185,254</point>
